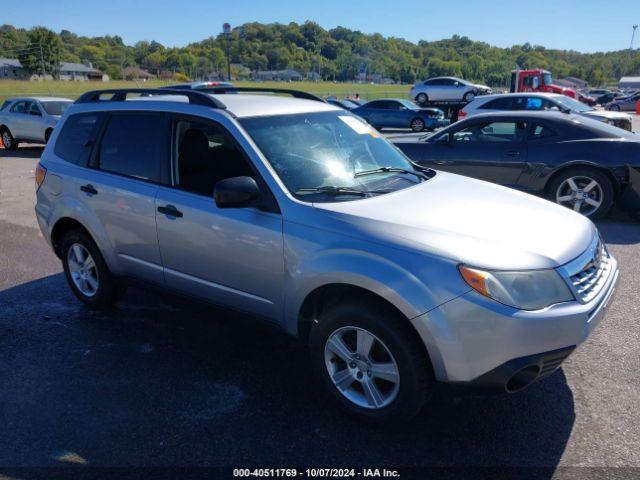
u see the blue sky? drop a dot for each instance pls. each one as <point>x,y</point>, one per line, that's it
<point>586,25</point>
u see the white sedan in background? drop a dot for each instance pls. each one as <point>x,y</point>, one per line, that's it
<point>543,101</point>
<point>451,89</point>
<point>30,119</point>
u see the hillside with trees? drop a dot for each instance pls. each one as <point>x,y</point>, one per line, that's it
<point>338,54</point>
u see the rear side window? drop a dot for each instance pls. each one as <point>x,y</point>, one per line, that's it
<point>77,136</point>
<point>506,103</point>
<point>135,145</point>
<point>540,131</point>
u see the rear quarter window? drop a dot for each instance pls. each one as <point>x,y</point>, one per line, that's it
<point>77,137</point>
<point>135,145</point>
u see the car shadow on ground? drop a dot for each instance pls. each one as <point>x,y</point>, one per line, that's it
<point>31,151</point>
<point>163,382</point>
<point>619,228</point>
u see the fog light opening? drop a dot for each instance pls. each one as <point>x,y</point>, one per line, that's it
<point>522,378</point>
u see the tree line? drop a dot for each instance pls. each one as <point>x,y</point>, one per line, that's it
<point>339,54</point>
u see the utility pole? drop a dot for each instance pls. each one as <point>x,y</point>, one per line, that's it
<point>633,36</point>
<point>226,31</point>
<point>41,60</point>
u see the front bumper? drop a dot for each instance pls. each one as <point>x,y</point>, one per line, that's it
<point>471,335</point>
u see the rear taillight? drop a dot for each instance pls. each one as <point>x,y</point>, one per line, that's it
<point>41,172</point>
<point>462,114</point>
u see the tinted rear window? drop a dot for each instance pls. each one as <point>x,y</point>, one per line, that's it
<point>76,137</point>
<point>55,107</point>
<point>135,144</point>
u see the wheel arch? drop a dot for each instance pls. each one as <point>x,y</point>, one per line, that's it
<point>583,164</point>
<point>63,226</point>
<point>326,295</point>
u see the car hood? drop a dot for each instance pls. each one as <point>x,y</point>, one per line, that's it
<point>467,220</point>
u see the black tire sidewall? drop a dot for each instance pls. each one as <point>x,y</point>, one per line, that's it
<point>105,296</point>
<point>417,120</point>
<point>14,144</point>
<point>408,351</point>
<point>608,191</point>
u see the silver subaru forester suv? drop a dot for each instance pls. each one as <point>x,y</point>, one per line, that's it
<point>299,213</point>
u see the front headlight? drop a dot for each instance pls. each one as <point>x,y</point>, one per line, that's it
<point>524,290</point>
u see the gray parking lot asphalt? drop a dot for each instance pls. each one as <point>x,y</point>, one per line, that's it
<point>161,382</point>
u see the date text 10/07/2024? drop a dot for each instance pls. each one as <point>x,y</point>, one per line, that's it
<point>316,473</point>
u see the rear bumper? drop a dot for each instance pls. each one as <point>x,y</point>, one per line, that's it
<point>475,339</point>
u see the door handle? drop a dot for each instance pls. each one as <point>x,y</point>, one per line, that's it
<point>512,153</point>
<point>89,189</point>
<point>441,162</point>
<point>171,211</point>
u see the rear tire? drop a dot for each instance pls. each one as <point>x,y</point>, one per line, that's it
<point>86,271</point>
<point>7,140</point>
<point>614,108</point>
<point>422,98</point>
<point>591,189</point>
<point>396,352</point>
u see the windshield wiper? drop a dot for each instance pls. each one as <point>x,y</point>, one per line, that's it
<point>333,190</point>
<point>392,170</point>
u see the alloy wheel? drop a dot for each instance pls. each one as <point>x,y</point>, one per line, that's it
<point>362,367</point>
<point>82,269</point>
<point>582,194</point>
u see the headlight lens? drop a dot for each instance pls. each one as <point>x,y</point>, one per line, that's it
<point>524,290</point>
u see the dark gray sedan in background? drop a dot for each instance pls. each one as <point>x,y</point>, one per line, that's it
<point>575,161</point>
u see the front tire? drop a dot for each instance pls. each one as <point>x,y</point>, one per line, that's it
<point>370,362</point>
<point>584,190</point>
<point>469,97</point>
<point>614,108</point>
<point>8,141</point>
<point>417,125</point>
<point>86,271</point>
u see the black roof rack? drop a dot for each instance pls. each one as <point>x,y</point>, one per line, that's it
<point>293,93</point>
<point>196,97</point>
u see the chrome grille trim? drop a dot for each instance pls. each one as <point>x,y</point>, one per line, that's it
<point>587,274</point>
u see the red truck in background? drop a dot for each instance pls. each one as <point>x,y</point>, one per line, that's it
<point>538,80</point>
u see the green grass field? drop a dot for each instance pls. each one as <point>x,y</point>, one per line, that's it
<point>15,88</point>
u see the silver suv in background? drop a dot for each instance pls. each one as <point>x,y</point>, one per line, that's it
<point>301,214</point>
<point>446,89</point>
<point>30,119</point>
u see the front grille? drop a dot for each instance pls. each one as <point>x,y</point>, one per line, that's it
<point>590,279</point>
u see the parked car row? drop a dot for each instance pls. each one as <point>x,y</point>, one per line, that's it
<point>296,211</point>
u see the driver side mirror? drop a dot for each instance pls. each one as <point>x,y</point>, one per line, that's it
<point>554,109</point>
<point>236,192</point>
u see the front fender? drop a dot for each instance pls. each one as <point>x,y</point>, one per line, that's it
<point>411,282</point>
